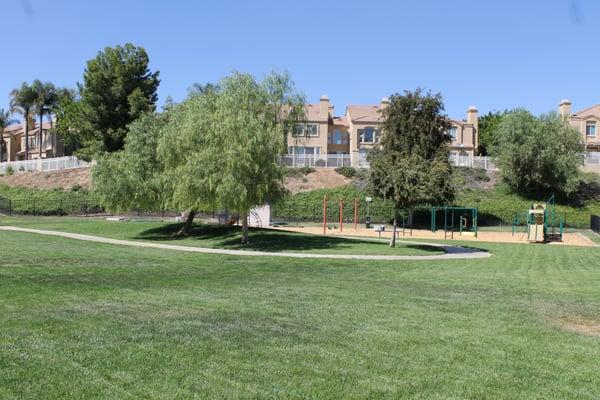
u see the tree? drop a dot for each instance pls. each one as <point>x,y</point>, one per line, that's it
<point>539,154</point>
<point>221,146</point>
<point>133,178</point>
<point>117,88</point>
<point>47,98</point>
<point>217,149</point>
<point>22,101</point>
<point>412,166</point>
<point>488,131</point>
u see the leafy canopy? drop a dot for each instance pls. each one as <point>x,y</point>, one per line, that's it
<point>218,149</point>
<point>412,165</point>
<point>117,88</point>
<point>539,155</point>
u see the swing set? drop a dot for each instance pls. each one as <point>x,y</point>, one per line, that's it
<point>456,219</point>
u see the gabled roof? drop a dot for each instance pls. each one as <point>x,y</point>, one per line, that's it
<point>593,110</point>
<point>364,113</point>
<point>340,121</point>
<point>18,129</point>
<point>312,113</point>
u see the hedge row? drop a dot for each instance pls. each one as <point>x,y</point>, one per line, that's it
<point>495,207</point>
<point>14,200</point>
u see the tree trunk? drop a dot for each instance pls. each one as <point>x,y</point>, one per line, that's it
<point>245,228</point>
<point>26,115</point>
<point>2,146</point>
<point>393,239</point>
<point>40,135</point>
<point>187,225</point>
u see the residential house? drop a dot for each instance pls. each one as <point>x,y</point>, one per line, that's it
<point>14,142</point>
<point>587,122</point>
<point>359,130</point>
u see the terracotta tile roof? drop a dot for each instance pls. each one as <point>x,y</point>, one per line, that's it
<point>17,129</point>
<point>593,110</point>
<point>362,113</point>
<point>340,121</point>
<point>312,113</point>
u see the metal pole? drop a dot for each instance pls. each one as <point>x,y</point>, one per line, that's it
<point>355,214</point>
<point>324,215</point>
<point>341,215</point>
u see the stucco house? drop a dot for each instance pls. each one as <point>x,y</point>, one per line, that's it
<point>14,142</point>
<point>587,122</point>
<point>359,130</point>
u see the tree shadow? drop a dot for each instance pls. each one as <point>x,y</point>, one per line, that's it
<point>221,236</point>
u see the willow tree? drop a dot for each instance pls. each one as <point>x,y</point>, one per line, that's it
<point>412,165</point>
<point>133,178</point>
<point>220,148</point>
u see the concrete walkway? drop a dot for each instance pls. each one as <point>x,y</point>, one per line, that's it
<point>452,252</point>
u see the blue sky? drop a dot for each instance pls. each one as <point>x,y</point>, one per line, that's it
<point>495,55</point>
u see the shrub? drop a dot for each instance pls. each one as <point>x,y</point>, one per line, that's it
<point>348,172</point>
<point>49,202</point>
<point>539,155</point>
<point>10,170</point>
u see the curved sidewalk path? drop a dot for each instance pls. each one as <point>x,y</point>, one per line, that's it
<point>452,252</point>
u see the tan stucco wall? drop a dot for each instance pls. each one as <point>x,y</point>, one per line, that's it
<point>579,124</point>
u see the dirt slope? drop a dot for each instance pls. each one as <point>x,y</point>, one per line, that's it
<point>325,178</point>
<point>65,179</point>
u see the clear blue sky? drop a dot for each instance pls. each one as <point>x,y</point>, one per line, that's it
<point>493,54</point>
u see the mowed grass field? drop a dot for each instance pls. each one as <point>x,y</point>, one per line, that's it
<point>88,320</point>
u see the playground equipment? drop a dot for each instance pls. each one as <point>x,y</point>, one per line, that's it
<point>543,223</point>
<point>341,214</point>
<point>463,219</point>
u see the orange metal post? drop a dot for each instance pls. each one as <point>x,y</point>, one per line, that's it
<point>324,215</point>
<point>341,215</point>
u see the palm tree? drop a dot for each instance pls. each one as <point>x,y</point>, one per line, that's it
<point>5,120</point>
<point>22,101</point>
<point>45,102</point>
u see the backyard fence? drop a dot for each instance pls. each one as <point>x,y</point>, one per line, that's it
<point>345,160</point>
<point>44,164</point>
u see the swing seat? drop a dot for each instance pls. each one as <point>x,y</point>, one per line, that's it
<point>470,234</point>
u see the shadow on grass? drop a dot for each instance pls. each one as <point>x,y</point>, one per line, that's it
<point>229,237</point>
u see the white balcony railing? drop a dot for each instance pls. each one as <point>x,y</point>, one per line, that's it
<point>44,164</point>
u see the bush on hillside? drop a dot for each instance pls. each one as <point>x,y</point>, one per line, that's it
<point>48,202</point>
<point>348,172</point>
<point>539,154</point>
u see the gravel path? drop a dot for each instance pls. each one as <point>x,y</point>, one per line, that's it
<point>452,252</point>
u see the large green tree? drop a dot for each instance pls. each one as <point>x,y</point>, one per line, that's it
<point>134,177</point>
<point>488,131</point>
<point>217,149</point>
<point>539,155</point>
<point>23,101</point>
<point>118,87</point>
<point>221,146</point>
<point>411,166</point>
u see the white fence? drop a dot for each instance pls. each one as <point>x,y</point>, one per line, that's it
<point>339,160</point>
<point>44,164</point>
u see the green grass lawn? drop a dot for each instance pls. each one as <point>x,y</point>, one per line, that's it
<point>214,236</point>
<point>89,320</point>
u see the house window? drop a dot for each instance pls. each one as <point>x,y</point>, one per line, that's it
<point>367,135</point>
<point>590,129</point>
<point>452,133</point>
<point>337,137</point>
<point>306,130</point>
<point>304,151</point>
